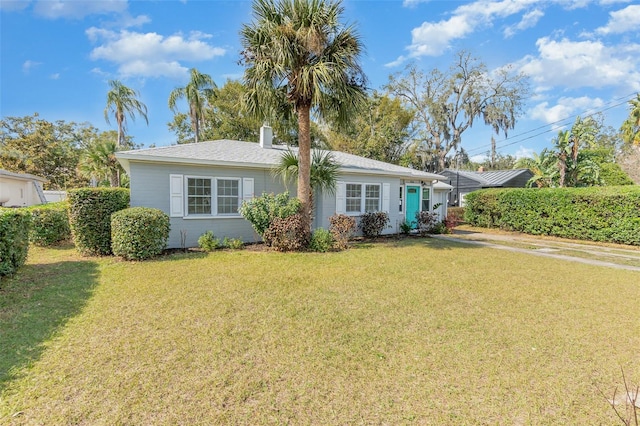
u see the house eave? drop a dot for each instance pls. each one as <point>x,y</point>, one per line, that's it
<point>126,159</point>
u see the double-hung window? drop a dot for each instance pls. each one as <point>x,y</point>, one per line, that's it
<point>354,198</point>
<point>228,195</point>
<point>372,198</point>
<point>362,198</point>
<point>199,196</point>
<point>213,196</point>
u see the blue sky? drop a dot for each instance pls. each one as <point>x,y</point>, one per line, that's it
<point>57,56</point>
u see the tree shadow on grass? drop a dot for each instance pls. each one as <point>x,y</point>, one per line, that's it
<point>34,305</point>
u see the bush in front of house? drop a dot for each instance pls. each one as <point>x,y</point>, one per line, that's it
<point>342,228</point>
<point>208,241</point>
<point>288,234</point>
<point>49,223</point>
<point>373,223</point>
<point>14,239</point>
<point>233,243</point>
<point>427,223</point>
<point>139,233</point>
<point>607,214</point>
<point>321,240</point>
<point>262,211</point>
<point>90,212</point>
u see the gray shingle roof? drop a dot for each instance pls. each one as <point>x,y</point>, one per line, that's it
<point>250,154</point>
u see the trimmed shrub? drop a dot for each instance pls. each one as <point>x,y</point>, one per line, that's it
<point>321,240</point>
<point>608,214</point>
<point>342,228</point>
<point>427,223</point>
<point>139,233</point>
<point>14,239</point>
<point>288,234</point>
<point>208,242</point>
<point>262,211</point>
<point>90,212</point>
<point>49,223</point>
<point>233,243</point>
<point>373,223</point>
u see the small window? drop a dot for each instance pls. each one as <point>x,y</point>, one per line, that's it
<point>425,199</point>
<point>401,193</point>
<point>199,195</point>
<point>228,196</point>
<point>354,198</point>
<point>372,198</point>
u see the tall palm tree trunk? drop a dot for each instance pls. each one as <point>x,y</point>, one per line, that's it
<point>304,166</point>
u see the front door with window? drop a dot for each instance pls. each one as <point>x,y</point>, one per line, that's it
<point>412,204</point>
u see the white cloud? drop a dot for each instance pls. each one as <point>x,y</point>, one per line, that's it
<point>151,54</point>
<point>575,64</point>
<point>524,152</point>
<point>28,65</point>
<point>566,108</point>
<point>622,21</point>
<point>434,38</point>
<point>78,9</point>
<point>55,76</point>
<point>529,20</point>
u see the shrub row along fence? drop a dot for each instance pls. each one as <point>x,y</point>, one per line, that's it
<point>607,214</point>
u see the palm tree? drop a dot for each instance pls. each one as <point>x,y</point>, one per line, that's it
<point>631,127</point>
<point>100,162</point>
<point>121,101</point>
<point>197,91</point>
<point>299,55</point>
<point>324,170</point>
<point>543,166</point>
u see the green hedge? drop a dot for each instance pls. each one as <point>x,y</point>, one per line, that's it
<point>90,212</point>
<point>139,233</point>
<point>14,239</point>
<point>608,214</point>
<point>49,223</point>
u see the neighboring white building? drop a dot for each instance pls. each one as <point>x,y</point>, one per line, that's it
<point>201,185</point>
<point>20,189</point>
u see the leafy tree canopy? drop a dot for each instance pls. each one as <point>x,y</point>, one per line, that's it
<point>447,103</point>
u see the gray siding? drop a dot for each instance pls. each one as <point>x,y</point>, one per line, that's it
<point>150,188</point>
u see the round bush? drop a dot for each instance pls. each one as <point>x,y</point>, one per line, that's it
<point>139,233</point>
<point>90,212</point>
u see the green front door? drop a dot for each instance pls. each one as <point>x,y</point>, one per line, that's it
<point>412,204</point>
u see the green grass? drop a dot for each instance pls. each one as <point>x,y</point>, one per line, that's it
<point>409,332</point>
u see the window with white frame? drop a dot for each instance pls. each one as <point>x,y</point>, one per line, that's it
<point>362,198</point>
<point>354,198</point>
<point>372,198</point>
<point>425,199</point>
<point>208,196</point>
<point>228,195</point>
<point>199,196</point>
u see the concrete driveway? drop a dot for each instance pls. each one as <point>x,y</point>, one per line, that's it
<point>612,256</point>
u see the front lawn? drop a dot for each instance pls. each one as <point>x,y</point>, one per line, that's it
<point>409,332</point>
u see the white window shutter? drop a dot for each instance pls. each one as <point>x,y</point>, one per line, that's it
<point>386,195</point>
<point>176,190</point>
<point>341,197</point>
<point>247,189</point>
